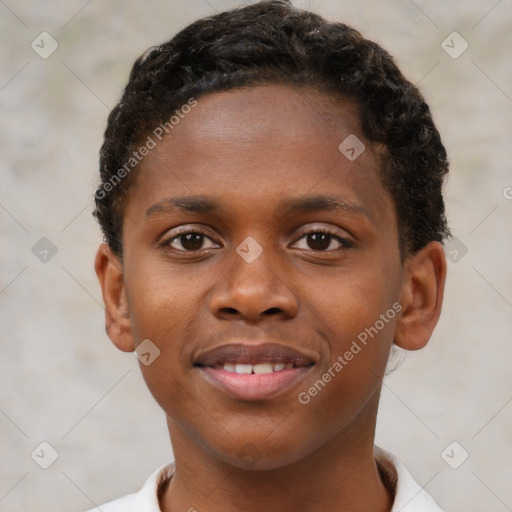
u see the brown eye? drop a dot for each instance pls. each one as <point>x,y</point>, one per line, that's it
<point>189,241</point>
<point>319,240</point>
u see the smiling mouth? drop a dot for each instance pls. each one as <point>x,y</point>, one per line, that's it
<point>253,372</point>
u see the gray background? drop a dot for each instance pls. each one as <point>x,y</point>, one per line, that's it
<point>62,380</point>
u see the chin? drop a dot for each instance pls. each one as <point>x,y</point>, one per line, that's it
<point>261,454</point>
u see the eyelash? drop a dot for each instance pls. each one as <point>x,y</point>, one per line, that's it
<point>344,243</point>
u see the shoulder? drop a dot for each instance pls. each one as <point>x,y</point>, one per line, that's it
<point>409,496</point>
<point>146,499</point>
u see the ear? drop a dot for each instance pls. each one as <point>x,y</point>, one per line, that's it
<point>117,312</point>
<point>421,296</point>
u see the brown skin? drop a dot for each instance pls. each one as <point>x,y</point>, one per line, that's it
<point>248,150</point>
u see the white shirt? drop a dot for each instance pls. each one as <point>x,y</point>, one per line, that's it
<point>409,496</point>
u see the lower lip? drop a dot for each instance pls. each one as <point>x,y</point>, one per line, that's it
<point>251,386</point>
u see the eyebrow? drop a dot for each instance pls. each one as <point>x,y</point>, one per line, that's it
<point>194,204</point>
<point>308,204</point>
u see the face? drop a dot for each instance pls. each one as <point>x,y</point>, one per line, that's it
<point>264,264</point>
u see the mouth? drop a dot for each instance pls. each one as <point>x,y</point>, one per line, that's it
<point>253,372</point>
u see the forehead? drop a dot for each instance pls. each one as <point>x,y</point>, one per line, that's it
<point>285,114</point>
<point>253,145</point>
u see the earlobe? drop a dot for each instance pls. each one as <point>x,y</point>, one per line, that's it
<point>421,296</point>
<point>117,312</point>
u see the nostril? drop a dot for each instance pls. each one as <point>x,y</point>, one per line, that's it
<point>231,311</point>
<point>272,311</point>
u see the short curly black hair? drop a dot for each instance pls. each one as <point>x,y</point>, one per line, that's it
<point>273,42</point>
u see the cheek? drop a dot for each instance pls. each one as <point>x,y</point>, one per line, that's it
<point>356,313</point>
<point>160,299</point>
<point>347,304</point>
<point>163,306</point>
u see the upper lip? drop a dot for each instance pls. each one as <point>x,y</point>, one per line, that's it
<point>240,353</point>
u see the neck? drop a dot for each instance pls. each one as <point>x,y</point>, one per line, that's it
<point>342,475</point>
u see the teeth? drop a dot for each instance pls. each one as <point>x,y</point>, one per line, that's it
<point>258,369</point>
<point>262,368</point>
<point>243,368</point>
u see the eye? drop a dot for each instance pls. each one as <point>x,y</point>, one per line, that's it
<point>322,240</point>
<point>318,239</point>
<point>189,241</point>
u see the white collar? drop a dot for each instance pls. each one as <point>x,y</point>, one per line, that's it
<point>409,496</point>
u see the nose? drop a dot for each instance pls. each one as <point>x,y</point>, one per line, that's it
<point>253,291</point>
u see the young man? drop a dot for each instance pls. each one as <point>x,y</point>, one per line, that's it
<point>273,220</point>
